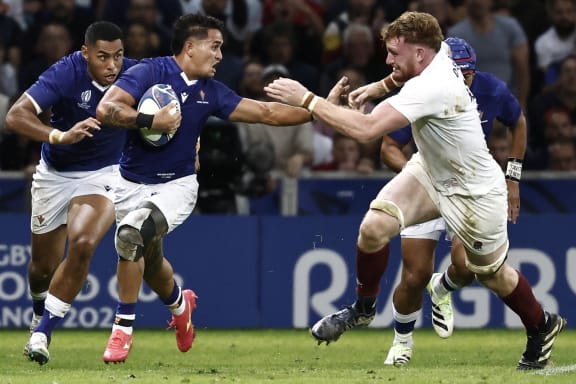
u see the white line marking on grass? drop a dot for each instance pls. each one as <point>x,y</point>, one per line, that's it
<point>556,370</point>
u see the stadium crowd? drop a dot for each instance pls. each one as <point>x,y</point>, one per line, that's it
<point>314,42</point>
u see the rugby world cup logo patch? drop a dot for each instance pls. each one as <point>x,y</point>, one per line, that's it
<point>85,99</point>
<point>86,96</point>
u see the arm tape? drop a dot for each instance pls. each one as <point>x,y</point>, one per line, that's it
<point>514,169</point>
<point>144,120</point>
<point>55,136</point>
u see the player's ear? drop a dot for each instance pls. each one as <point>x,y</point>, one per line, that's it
<point>189,47</point>
<point>84,51</point>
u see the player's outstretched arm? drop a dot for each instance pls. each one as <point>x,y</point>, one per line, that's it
<point>23,119</point>
<point>271,113</point>
<point>358,98</point>
<point>338,91</point>
<point>116,109</point>
<point>362,127</point>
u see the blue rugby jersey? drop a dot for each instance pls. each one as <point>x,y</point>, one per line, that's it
<point>494,99</point>
<point>73,96</point>
<point>199,99</point>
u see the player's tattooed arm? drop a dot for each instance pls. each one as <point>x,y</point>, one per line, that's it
<point>117,115</point>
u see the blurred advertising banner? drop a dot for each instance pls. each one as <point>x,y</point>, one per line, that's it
<point>285,272</point>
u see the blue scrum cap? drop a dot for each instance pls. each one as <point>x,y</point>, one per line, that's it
<point>462,53</point>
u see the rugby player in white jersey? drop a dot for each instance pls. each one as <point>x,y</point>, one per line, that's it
<point>453,175</point>
<point>73,185</point>
<point>495,102</point>
<point>158,187</point>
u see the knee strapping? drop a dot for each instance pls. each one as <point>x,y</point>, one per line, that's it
<point>129,243</point>
<point>390,208</point>
<point>129,240</point>
<point>489,269</point>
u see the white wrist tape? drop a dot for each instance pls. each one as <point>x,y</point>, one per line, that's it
<point>55,136</point>
<point>514,169</point>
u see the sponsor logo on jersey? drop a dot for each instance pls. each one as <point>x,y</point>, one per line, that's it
<point>85,97</point>
<point>184,96</point>
<point>202,97</point>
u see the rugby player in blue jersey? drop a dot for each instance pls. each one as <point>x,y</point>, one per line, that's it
<point>158,187</point>
<point>73,185</point>
<point>495,101</point>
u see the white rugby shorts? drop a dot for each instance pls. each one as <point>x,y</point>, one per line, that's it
<point>52,191</point>
<point>479,221</point>
<point>431,230</point>
<point>176,199</point>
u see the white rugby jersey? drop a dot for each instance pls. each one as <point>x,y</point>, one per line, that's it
<point>447,129</point>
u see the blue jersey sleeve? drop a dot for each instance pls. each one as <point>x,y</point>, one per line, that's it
<point>402,135</point>
<point>53,84</point>
<point>137,79</point>
<point>510,108</point>
<point>227,100</point>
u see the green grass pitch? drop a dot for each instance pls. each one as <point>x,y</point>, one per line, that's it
<point>285,356</point>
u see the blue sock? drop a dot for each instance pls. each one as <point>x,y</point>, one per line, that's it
<point>125,308</point>
<point>38,307</point>
<point>404,327</point>
<point>48,323</point>
<point>175,297</point>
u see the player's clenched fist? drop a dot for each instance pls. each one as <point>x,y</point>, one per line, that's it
<point>167,119</point>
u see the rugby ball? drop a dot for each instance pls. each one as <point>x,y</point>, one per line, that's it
<point>151,101</point>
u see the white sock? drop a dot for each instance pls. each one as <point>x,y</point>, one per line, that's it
<point>126,330</point>
<point>403,338</point>
<point>178,309</point>
<point>437,286</point>
<point>56,306</point>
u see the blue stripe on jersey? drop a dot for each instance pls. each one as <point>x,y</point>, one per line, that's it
<point>199,100</point>
<point>494,99</point>
<point>68,89</point>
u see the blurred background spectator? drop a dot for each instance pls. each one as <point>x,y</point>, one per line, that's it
<point>116,11</point>
<point>306,18</point>
<point>559,40</point>
<point>367,12</point>
<point>346,156</point>
<point>292,146</point>
<point>8,75</point>
<point>562,155</point>
<point>369,152</point>
<point>242,18</point>
<point>54,42</point>
<point>545,113</point>
<point>500,43</point>
<point>358,53</point>
<point>147,13</point>
<point>139,41</point>
<point>528,43</point>
<point>75,18</point>
<point>280,47</point>
<point>15,10</point>
<point>11,37</point>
